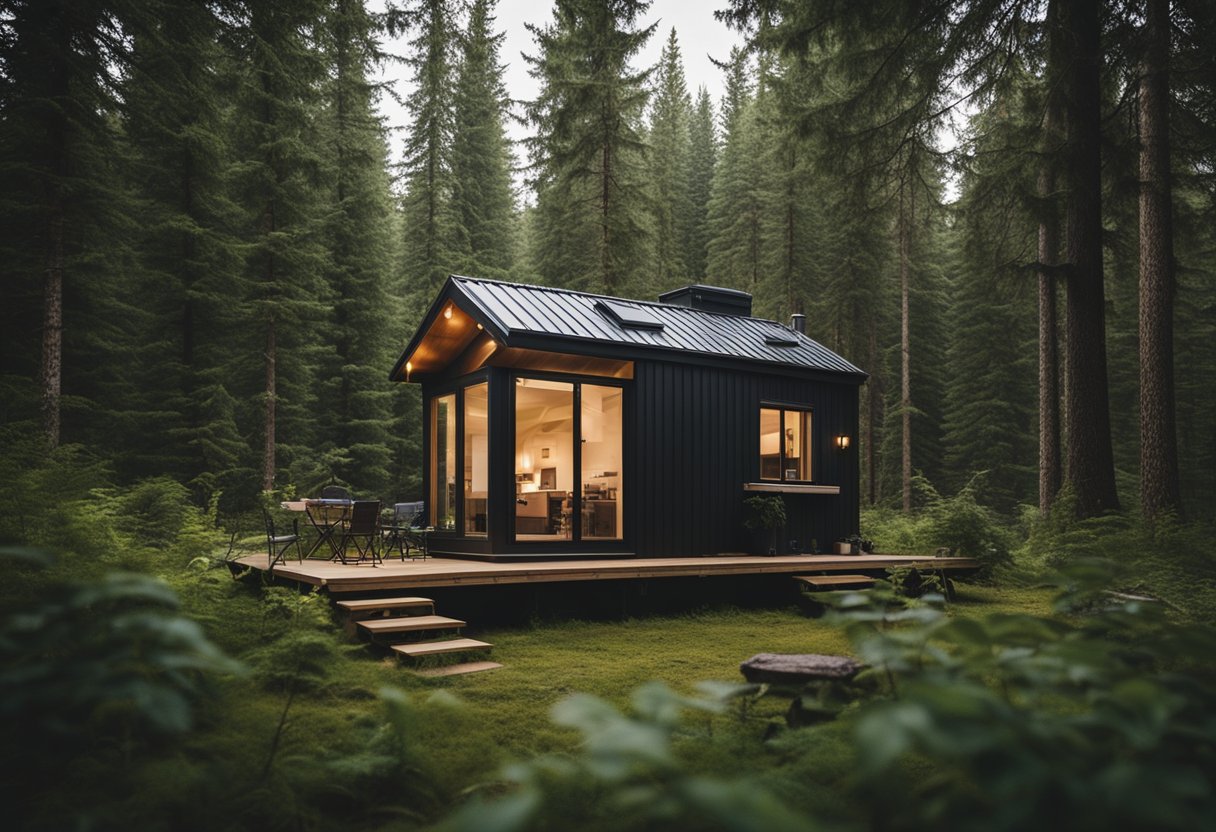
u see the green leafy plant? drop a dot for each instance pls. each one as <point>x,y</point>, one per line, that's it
<point>626,776</point>
<point>765,513</point>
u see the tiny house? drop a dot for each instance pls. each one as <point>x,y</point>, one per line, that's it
<point>565,424</point>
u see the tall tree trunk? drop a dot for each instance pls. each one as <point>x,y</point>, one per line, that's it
<point>874,413</point>
<point>50,374</point>
<point>1159,484</point>
<point>905,364</point>
<point>1049,252</point>
<point>268,469</point>
<point>1090,459</point>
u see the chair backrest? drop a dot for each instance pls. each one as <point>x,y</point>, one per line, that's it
<point>269,525</point>
<point>408,514</point>
<point>364,515</point>
<point>335,492</point>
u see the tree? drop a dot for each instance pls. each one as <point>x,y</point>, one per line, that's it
<point>57,135</point>
<point>355,409</point>
<point>588,152</point>
<point>1159,481</point>
<point>482,193</point>
<point>703,157</point>
<point>670,151</point>
<point>277,188</point>
<point>427,205</point>
<point>735,205</point>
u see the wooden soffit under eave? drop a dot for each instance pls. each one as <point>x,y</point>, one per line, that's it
<point>447,340</point>
<point>457,345</point>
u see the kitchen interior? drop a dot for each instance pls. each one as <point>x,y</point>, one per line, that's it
<point>544,461</point>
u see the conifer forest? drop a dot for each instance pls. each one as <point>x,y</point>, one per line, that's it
<point>213,250</point>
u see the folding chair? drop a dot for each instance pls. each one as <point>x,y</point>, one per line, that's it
<point>278,544</point>
<point>405,531</point>
<point>363,531</point>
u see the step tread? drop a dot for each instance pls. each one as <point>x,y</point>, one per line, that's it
<point>366,604</point>
<point>457,669</point>
<point>821,581</point>
<point>429,648</point>
<point>413,622</point>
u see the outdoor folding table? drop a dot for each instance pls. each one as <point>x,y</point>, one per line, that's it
<point>327,517</point>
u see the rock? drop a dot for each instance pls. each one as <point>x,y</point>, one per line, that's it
<point>798,668</point>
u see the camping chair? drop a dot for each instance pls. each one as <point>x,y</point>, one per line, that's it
<point>405,531</point>
<point>278,544</point>
<point>363,531</point>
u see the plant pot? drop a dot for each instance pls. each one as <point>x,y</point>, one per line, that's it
<point>843,547</point>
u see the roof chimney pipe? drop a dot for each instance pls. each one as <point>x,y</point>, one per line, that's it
<point>798,323</point>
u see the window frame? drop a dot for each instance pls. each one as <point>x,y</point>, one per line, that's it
<point>805,412</point>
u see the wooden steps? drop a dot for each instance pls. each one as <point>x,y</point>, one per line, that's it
<point>457,669</point>
<point>365,605</point>
<point>826,582</point>
<point>410,623</point>
<point>434,648</point>
<point>394,619</point>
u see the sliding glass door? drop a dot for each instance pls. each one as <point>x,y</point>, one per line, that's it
<point>566,490</point>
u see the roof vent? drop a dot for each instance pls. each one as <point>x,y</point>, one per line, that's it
<point>627,316</point>
<point>710,299</point>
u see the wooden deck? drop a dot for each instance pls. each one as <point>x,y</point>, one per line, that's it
<point>340,578</point>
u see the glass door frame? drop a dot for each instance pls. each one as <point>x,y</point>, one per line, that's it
<point>576,501</point>
<point>457,389</point>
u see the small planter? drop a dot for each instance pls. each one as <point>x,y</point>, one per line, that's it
<point>844,547</point>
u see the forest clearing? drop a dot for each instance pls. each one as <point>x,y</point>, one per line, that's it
<point>310,303</point>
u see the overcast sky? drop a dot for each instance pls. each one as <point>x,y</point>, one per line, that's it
<point>700,36</point>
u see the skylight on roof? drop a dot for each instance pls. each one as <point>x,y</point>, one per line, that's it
<point>629,317</point>
<point>781,340</point>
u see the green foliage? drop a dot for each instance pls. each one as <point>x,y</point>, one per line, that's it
<point>626,776</point>
<point>1034,720</point>
<point>764,512</point>
<point>90,667</point>
<point>961,524</point>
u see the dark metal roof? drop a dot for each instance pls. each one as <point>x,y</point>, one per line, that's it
<point>516,309</point>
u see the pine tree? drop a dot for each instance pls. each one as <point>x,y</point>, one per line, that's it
<point>482,192</point>
<point>592,226</point>
<point>63,215</point>
<point>1159,480</point>
<point>189,268</point>
<point>736,206</point>
<point>354,410</point>
<point>703,156</point>
<point>670,165</point>
<point>277,187</point>
<point>429,240</point>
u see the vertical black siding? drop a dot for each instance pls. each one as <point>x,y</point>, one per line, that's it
<point>696,443</point>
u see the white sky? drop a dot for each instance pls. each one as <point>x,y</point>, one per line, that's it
<point>700,37</point>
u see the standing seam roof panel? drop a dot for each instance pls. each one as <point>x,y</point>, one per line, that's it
<point>547,311</point>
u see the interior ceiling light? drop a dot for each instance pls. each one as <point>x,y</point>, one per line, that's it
<point>447,313</point>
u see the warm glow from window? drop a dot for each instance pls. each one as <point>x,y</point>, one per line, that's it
<point>442,508</point>
<point>785,444</point>
<point>476,458</point>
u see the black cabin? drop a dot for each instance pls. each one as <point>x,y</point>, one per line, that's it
<point>681,409</point>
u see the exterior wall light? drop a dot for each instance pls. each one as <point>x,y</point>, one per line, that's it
<point>447,312</point>
<point>842,442</point>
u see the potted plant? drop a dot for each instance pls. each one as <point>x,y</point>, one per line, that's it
<point>765,513</point>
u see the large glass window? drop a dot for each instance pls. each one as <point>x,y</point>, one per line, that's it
<point>785,444</point>
<point>476,457</point>
<point>602,515</point>
<point>442,509</point>
<point>568,458</point>
<point>544,459</point>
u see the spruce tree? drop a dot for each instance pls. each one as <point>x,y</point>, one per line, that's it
<point>483,199</point>
<point>703,157</point>
<point>736,205</point>
<point>670,158</point>
<point>277,185</point>
<point>354,411</point>
<point>587,157</point>
<point>429,240</point>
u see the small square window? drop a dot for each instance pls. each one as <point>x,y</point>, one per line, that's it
<point>785,444</point>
